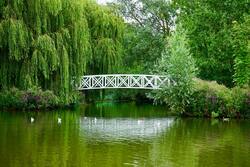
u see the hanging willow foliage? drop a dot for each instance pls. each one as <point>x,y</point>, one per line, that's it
<point>107,51</point>
<point>106,34</point>
<point>48,43</point>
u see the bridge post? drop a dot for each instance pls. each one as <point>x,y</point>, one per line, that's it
<point>142,81</point>
<point>155,82</point>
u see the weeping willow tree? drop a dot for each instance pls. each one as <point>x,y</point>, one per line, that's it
<point>106,35</point>
<point>50,43</point>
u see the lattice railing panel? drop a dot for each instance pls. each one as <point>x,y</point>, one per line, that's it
<point>123,81</point>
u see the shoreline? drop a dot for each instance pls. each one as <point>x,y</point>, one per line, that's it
<point>72,107</point>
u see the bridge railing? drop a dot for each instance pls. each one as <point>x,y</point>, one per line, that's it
<point>133,81</point>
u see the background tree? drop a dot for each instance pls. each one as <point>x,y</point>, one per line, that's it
<point>154,14</point>
<point>241,39</point>
<point>209,24</point>
<point>148,24</point>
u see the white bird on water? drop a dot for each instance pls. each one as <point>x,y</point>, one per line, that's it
<point>59,120</point>
<point>32,119</point>
<point>139,122</point>
<point>225,119</point>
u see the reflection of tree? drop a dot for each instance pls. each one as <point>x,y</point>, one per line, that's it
<point>198,143</point>
<point>40,144</point>
<point>131,110</point>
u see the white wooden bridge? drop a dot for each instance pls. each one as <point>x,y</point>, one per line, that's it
<point>131,81</point>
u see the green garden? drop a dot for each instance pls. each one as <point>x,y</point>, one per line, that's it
<point>203,45</point>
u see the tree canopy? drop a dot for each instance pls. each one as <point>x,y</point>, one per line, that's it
<point>50,43</point>
<point>148,23</point>
<point>213,37</point>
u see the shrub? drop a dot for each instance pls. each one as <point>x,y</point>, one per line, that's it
<point>177,63</point>
<point>11,97</point>
<point>33,98</point>
<point>214,100</point>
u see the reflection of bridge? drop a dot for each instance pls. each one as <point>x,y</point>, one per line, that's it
<point>124,128</point>
<point>134,81</point>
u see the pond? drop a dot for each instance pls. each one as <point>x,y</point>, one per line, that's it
<point>121,134</point>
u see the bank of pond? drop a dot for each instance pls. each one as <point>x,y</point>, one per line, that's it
<point>209,99</point>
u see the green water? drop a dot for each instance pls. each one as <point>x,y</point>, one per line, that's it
<point>113,135</point>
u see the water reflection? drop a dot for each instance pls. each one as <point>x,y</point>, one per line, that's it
<point>121,135</point>
<point>124,129</point>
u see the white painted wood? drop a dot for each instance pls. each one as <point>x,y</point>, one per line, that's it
<point>131,81</point>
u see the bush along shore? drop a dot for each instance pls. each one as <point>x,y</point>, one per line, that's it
<point>33,99</point>
<point>211,99</point>
<point>206,99</point>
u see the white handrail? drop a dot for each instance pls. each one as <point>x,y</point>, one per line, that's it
<point>128,81</point>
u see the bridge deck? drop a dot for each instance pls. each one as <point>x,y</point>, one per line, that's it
<point>128,81</point>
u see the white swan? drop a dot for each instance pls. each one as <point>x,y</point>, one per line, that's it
<point>59,120</point>
<point>139,122</point>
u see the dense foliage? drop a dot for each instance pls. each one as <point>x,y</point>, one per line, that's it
<point>149,22</point>
<point>218,45</point>
<point>241,40</point>
<point>216,33</point>
<point>51,43</point>
<point>33,98</point>
<point>211,99</point>
<point>177,63</point>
